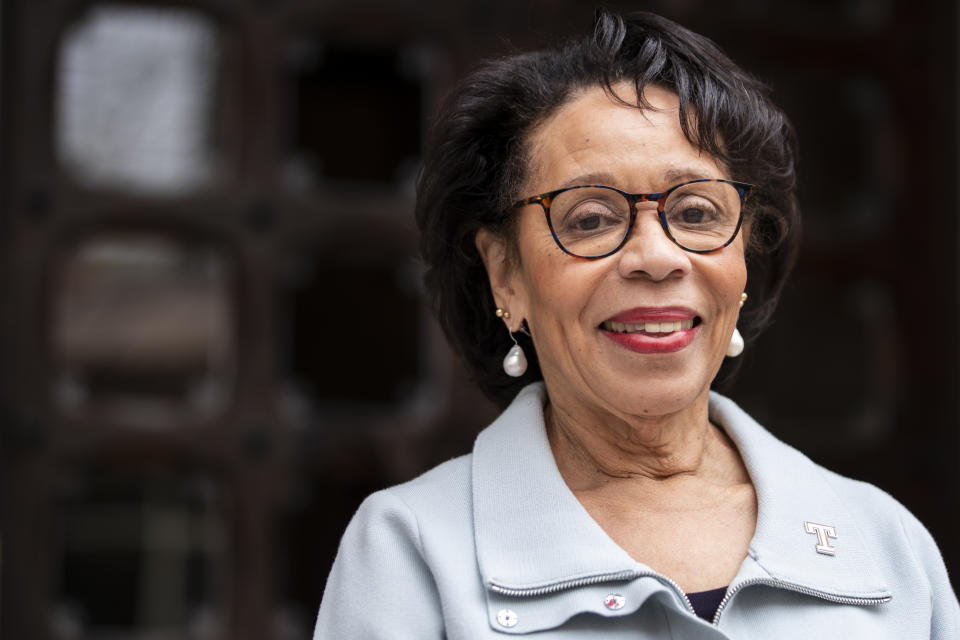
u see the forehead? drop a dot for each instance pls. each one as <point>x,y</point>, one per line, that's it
<point>595,138</point>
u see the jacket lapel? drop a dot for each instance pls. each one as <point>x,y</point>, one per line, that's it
<point>530,529</point>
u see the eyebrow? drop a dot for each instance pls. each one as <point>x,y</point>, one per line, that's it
<point>671,177</point>
<point>589,178</point>
<point>675,176</point>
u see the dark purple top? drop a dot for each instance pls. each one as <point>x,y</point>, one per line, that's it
<point>705,603</point>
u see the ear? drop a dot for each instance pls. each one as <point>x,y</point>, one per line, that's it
<point>495,253</point>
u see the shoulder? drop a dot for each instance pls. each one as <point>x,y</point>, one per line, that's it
<point>401,550</point>
<point>406,508</point>
<point>427,520</point>
<point>888,526</point>
<point>904,549</point>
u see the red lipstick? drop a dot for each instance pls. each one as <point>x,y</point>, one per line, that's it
<point>641,340</point>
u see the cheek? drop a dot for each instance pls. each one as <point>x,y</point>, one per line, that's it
<point>542,273</point>
<point>726,280</point>
<point>550,292</point>
<point>734,269</point>
<point>738,279</point>
<point>558,291</point>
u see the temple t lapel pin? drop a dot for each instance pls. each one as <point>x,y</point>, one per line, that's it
<point>824,533</point>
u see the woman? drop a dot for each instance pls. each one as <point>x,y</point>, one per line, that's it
<point>599,214</point>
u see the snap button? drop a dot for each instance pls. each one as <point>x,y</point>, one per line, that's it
<point>507,618</point>
<point>614,601</point>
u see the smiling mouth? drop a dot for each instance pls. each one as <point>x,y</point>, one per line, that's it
<point>660,328</point>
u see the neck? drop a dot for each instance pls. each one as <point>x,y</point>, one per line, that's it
<point>592,452</point>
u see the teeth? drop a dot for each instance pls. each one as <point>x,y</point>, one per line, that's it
<point>668,326</point>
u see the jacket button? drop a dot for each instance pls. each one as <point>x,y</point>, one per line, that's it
<point>614,601</point>
<point>507,618</point>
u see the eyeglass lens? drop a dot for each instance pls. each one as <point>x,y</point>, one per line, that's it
<point>593,221</point>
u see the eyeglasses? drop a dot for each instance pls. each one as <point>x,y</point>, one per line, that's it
<point>594,221</point>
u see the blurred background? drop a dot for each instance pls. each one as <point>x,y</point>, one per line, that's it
<point>213,336</point>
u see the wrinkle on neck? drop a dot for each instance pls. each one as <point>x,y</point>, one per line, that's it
<point>593,453</point>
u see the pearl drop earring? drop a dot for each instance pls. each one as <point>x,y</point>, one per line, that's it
<point>515,362</point>
<point>735,347</point>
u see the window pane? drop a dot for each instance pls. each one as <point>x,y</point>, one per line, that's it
<point>142,551</point>
<point>369,355</point>
<point>135,99</point>
<point>143,328</point>
<point>341,128</point>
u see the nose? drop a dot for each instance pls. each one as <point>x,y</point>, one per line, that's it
<point>649,252</point>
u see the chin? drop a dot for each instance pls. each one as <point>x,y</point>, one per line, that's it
<point>659,397</point>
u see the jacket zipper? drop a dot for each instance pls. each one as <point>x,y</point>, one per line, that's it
<point>620,576</point>
<point>623,576</point>
<point>830,597</point>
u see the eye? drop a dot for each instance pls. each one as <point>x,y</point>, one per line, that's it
<point>591,217</point>
<point>703,214</point>
<point>693,212</point>
<point>588,223</point>
<point>693,215</point>
<point>589,212</point>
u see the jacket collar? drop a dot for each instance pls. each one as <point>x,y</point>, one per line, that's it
<point>532,532</point>
<point>530,529</point>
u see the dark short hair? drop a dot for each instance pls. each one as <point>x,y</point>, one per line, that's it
<point>477,157</point>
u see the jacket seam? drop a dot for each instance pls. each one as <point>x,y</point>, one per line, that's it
<point>916,559</point>
<point>416,520</point>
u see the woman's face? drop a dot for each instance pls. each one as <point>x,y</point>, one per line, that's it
<point>576,309</point>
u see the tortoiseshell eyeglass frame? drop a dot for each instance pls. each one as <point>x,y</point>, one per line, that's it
<point>545,199</point>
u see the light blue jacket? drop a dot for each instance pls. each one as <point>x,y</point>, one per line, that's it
<point>494,544</point>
